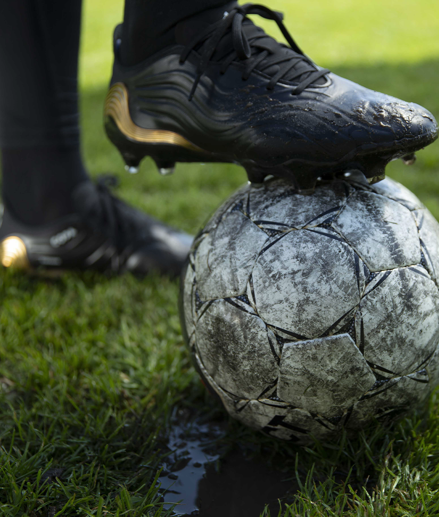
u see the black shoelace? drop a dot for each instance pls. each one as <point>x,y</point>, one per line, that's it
<point>254,47</point>
<point>107,217</point>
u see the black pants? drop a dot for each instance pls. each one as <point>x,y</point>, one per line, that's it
<point>39,42</point>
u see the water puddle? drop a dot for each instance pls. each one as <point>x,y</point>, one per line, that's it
<point>207,480</point>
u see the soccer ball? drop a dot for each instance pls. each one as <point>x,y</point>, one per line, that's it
<point>307,314</point>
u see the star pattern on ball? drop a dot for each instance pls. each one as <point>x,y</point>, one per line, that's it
<point>310,314</point>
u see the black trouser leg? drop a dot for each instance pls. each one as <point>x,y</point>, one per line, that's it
<point>148,24</point>
<point>39,118</point>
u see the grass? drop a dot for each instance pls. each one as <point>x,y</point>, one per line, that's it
<point>91,367</point>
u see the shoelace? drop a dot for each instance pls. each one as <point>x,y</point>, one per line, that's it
<point>253,46</point>
<point>107,214</point>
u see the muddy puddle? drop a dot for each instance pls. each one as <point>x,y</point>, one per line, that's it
<point>209,480</point>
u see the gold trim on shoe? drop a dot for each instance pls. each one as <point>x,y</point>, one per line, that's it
<point>116,107</point>
<point>13,253</point>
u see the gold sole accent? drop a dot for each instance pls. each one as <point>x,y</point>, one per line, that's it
<point>13,253</point>
<point>116,107</point>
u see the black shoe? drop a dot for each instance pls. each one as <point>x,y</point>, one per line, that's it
<point>105,234</point>
<point>233,94</point>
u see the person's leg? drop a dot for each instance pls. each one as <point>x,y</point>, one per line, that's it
<point>54,216</point>
<point>39,119</point>
<point>148,25</point>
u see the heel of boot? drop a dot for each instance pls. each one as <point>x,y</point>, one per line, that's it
<point>134,143</point>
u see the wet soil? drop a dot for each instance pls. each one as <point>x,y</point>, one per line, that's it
<point>207,479</point>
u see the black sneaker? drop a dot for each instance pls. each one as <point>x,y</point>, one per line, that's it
<point>227,92</point>
<point>105,234</point>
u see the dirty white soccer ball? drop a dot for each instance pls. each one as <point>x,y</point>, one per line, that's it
<point>307,314</point>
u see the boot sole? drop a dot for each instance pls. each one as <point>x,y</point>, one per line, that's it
<point>167,148</point>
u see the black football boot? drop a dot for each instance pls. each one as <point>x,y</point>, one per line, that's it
<point>104,234</point>
<point>227,92</point>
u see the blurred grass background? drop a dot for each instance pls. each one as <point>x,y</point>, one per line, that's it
<point>91,367</point>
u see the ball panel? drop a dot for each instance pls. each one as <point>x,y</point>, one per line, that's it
<point>375,280</point>
<point>363,274</point>
<point>188,300</point>
<point>225,258</point>
<point>394,190</point>
<point>229,402</point>
<point>389,401</point>
<point>284,422</point>
<point>382,231</point>
<point>305,282</point>
<point>433,369</point>
<point>276,344</point>
<point>429,234</point>
<point>325,376</point>
<point>239,197</point>
<point>400,321</point>
<point>270,205</point>
<point>234,348</point>
<point>295,422</point>
<point>258,415</point>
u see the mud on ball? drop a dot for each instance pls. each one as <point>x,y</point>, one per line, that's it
<point>309,314</point>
